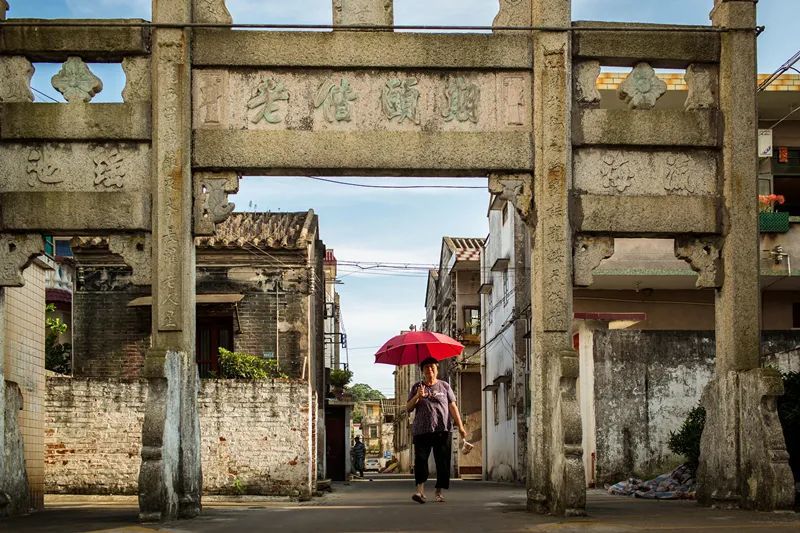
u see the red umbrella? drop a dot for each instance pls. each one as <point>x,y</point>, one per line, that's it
<point>415,346</point>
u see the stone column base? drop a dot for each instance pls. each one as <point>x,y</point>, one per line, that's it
<point>14,490</point>
<point>743,458</point>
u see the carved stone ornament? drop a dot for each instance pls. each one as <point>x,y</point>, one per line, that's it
<point>137,252</point>
<point>513,13</point>
<point>703,255</point>
<point>617,173</point>
<point>109,169</point>
<point>265,101</point>
<point>16,253</point>
<point>517,189</point>
<point>588,252</point>
<point>399,100</point>
<point>585,75</point>
<point>137,79</point>
<point>363,12</point>
<point>15,79</point>
<point>642,88</point>
<point>703,84</point>
<point>462,100</point>
<point>3,8</point>
<point>212,12</point>
<point>39,170</point>
<point>76,82</point>
<point>335,100</point>
<point>211,204</point>
<point>682,176</point>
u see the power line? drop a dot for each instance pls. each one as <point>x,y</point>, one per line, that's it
<point>34,89</point>
<point>368,186</point>
<point>780,72</point>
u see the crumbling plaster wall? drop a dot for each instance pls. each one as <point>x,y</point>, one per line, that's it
<point>256,436</point>
<point>646,382</point>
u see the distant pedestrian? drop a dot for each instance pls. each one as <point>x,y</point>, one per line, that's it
<point>359,452</point>
<point>436,409</point>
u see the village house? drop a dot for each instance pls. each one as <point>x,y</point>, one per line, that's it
<point>260,290</point>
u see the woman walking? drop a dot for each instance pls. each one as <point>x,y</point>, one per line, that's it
<point>435,410</point>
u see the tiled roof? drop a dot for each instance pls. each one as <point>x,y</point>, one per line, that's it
<point>675,82</point>
<point>465,248</point>
<point>330,259</point>
<point>269,230</point>
<point>266,230</point>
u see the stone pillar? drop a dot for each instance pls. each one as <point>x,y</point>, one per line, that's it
<point>2,375</point>
<point>363,13</point>
<point>170,478</point>
<point>555,470</point>
<point>743,459</point>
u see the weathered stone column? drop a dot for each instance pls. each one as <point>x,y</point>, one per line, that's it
<point>743,461</point>
<point>363,13</point>
<point>555,478</point>
<point>170,478</point>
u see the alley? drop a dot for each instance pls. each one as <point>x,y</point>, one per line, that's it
<point>385,505</point>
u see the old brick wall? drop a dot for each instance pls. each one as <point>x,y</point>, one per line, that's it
<point>646,382</point>
<point>93,435</point>
<point>110,339</point>
<point>256,436</point>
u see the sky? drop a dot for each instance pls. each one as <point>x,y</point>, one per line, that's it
<point>392,225</point>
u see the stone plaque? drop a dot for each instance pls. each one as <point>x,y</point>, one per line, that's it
<point>73,167</point>
<point>645,173</point>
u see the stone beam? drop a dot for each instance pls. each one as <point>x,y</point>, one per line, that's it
<point>76,121</point>
<point>670,48</point>
<point>69,213</point>
<point>56,44</point>
<point>646,215</point>
<point>653,127</point>
<point>555,478</point>
<point>360,50</point>
<point>374,153</point>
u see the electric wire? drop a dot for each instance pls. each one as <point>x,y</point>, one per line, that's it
<point>369,186</point>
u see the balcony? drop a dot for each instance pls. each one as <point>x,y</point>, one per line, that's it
<point>777,222</point>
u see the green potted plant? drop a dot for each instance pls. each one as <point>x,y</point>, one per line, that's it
<point>770,220</point>
<point>338,380</point>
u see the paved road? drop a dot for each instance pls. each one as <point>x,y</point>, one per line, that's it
<point>385,505</point>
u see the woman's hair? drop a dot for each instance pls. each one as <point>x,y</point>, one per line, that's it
<point>428,361</point>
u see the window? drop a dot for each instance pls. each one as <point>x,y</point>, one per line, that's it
<point>472,321</point>
<point>505,286</point>
<point>505,213</point>
<point>62,248</point>
<point>796,315</point>
<point>373,432</point>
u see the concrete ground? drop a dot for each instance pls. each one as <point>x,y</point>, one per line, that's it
<point>385,505</point>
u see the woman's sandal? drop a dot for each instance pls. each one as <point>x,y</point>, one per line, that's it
<point>419,498</point>
<point>440,498</point>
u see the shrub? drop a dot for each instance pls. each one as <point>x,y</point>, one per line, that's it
<point>340,378</point>
<point>686,441</point>
<point>236,365</point>
<point>57,356</point>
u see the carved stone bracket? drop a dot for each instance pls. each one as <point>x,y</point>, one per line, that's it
<point>585,75</point>
<point>703,255</point>
<point>514,13</point>
<point>703,84</point>
<point>137,79</point>
<point>211,204</point>
<point>3,8</point>
<point>16,253</point>
<point>588,253</point>
<point>137,252</point>
<point>212,12</point>
<point>15,78</point>
<point>517,189</point>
